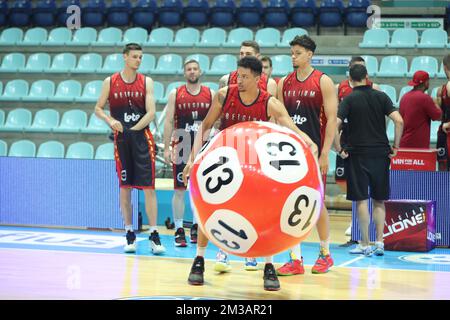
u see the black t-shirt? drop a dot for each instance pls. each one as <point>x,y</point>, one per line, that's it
<point>365,110</point>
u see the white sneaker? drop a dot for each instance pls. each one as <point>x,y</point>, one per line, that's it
<point>365,250</point>
<point>155,243</point>
<point>348,232</point>
<point>222,263</point>
<point>251,264</point>
<point>130,247</point>
<point>379,249</point>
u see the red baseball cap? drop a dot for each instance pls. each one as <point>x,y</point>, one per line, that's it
<point>419,78</point>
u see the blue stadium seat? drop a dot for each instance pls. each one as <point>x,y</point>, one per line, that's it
<point>91,91</point>
<point>20,13</point>
<point>17,120</point>
<point>222,64</point>
<point>434,92</point>
<point>276,13</point>
<point>105,151</point>
<point>3,148</point>
<point>391,92</point>
<point>113,63</point>
<point>425,63</point>
<point>375,38</point>
<point>15,90</point>
<point>212,37</point>
<point>390,130</point>
<point>51,149</point>
<point>111,36</point>
<point>169,64</point>
<point>170,13</point>
<point>72,121</point>
<point>61,12</point>
<point>118,13</point>
<point>93,13</point>
<point>3,13</point>
<point>63,62</point>
<point>441,74</point>
<point>158,91</point>
<point>83,37</point>
<point>404,38</point>
<point>268,37</point>
<point>434,126</point>
<point>289,35</point>
<point>12,62</point>
<point>281,65</point>
<point>202,59</point>
<point>371,65</point>
<point>34,37</point>
<point>37,62</point>
<point>58,37</point>
<point>403,90</point>
<point>186,37</point>
<point>196,13</point>
<point>303,13</point>
<point>144,13</point>
<point>332,163</point>
<point>11,37</point>
<point>148,63</point>
<point>212,85</point>
<point>236,36</point>
<point>43,14</point>
<point>40,90</point>
<point>88,63</point>
<point>136,35</point>
<point>222,13</point>
<point>2,117</point>
<point>22,148</point>
<point>393,66</point>
<point>249,13</point>
<point>355,13</point>
<point>67,91</point>
<point>331,13</point>
<point>45,120</point>
<point>160,37</point>
<point>169,88</point>
<point>433,38</point>
<point>96,126</point>
<point>80,150</point>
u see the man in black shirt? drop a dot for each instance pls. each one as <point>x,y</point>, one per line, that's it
<point>368,153</point>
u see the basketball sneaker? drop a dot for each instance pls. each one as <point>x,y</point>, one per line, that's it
<point>194,233</point>
<point>379,248</point>
<point>360,249</point>
<point>155,243</point>
<point>130,247</point>
<point>251,264</point>
<point>180,238</point>
<point>222,263</point>
<point>323,263</point>
<point>196,274</point>
<point>291,268</point>
<point>271,282</point>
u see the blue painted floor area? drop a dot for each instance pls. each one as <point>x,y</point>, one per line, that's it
<point>112,243</point>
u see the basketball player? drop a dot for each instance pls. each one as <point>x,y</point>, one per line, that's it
<point>187,106</point>
<point>132,108</point>
<point>234,104</point>
<point>310,99</point>
<point>443,100</point>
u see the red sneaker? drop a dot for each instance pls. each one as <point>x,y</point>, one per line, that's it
<point>323,263</point>
<point>291,268</point>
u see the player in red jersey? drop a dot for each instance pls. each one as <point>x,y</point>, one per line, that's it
<point>234,104</point>
<point>132,108</point>
<point>443,100</point>
<point>250,48</point>
<point>186,108</point>
<point>310,98</point>
<point>267,67</point>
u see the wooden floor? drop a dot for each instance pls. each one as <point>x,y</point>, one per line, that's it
<point>46,273</point>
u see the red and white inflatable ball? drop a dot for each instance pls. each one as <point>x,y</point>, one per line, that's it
<point>256,189</point>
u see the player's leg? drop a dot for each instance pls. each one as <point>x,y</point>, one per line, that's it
<point>324,262</point>
<point>151,209</point>
<point>198,267</point>
<point>379,217</point>
<point>125,208</point>
<point>178,213</point>
<point>271,282</point>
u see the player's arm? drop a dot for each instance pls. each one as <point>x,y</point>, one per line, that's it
<point>100,106</point>
<point>277,110</point>
<point>149,106</point>
<point>280,90</point>
<point>438,99</point>
<point>272,87</point>
<point>398,130</point>
<point>205,128</point>
<point>223,82</point>
<point>168,124</point>
<point>330,103</point>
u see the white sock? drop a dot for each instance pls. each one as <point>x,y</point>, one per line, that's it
<point>153,228</point>
<point>178,223</point>
<point>129,228</point>
<point>201,251</point>
<point>296,253</point>
<point>268,259</point>
<point>325,245</point>
<point>194,218</point>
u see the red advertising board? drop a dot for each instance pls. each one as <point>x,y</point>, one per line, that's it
<point>414,159</point>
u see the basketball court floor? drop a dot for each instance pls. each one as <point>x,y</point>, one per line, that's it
<point>48,263</point>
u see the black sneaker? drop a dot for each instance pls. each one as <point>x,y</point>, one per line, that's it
<point>194,233</point>
<point>130,247</point>
<point>271,282</point>
<point>196,275</point>
<point>155,243</point>
<point>180,238</point>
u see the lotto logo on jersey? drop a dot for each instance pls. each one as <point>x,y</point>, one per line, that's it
<point>192,128</point>
<point>131,117</point>
<point>299,119</point>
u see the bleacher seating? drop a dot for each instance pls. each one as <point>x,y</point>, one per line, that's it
<point>51,149</point>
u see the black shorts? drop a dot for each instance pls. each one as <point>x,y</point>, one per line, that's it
<point>364,171</point>
<point>134,152</point>
<point>339,173</point>
<point>180,157</point>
